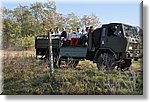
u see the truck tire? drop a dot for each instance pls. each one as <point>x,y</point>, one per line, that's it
<point>125,65</point>
<point>106,61</point>
<point>100,63</point>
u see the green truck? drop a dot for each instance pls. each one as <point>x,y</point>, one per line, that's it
<point>111,46</point>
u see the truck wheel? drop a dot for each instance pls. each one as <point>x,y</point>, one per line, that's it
<point>125,65</point>
<point>100,63</point>
<point>72,63</point>
<point>106,61</point>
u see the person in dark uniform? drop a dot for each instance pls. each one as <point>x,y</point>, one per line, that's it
<point>64,40</point>
<point>64,33</point>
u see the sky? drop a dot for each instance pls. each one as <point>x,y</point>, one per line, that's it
<point>125,11</point>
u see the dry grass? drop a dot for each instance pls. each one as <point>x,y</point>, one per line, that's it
<point>18,53</point>
<point>26,75</point>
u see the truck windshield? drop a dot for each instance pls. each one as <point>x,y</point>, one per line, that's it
<point>115,30</point>
<point>130,30</point>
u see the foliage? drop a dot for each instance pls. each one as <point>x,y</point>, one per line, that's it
<point>26,42</point>
<point>37,19</point>
<point>91,20</point>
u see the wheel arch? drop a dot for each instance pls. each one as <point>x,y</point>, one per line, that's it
<point>103,50</point>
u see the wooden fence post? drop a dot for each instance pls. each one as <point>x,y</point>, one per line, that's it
<point>51,63</point>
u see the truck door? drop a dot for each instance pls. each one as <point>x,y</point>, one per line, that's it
<point>113,37</point>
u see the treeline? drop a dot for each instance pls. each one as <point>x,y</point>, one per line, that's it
<point>22,24</point>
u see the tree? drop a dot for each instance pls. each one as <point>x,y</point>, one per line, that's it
<point>7,27</point>
<point>91,20</point>
<point>45,15</point>
<point>24,22</point>
<point>72,21</point>
<point>37,12</point>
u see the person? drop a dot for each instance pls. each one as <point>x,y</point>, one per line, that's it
<point>86,31</point>
<point>57,32</point>
<point>63,38</point>
<point>111,31</point>
<point>51,31</point>
<point>64,33</point>
<point>84,38</point>
<point>75,37</point>
<point>78,33</point>
<point>83,31</point>
<point>69,35</point>
<point>91,29</point>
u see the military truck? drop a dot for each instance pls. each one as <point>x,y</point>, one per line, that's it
<point>111,46</point>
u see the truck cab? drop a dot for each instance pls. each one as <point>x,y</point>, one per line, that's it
<point>115,45</point>
<point>113,38</point>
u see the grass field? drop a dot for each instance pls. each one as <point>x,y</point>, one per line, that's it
<point>26,75</point>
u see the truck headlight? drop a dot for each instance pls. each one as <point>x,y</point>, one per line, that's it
<point>130,47</point>
<point>137,52</point>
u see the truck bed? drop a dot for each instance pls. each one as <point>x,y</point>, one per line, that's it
<point>43,43</point>
<point>73,52</point>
